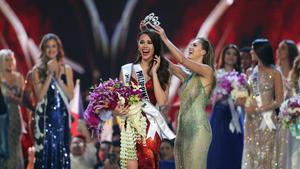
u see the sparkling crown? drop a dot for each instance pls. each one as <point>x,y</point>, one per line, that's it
<point>151,19</point>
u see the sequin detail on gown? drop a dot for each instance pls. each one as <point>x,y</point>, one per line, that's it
<point>15,159</point>
<point>193,130</point>
<point>52,132</point>
<point>259,151</point>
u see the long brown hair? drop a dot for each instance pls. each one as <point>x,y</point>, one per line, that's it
<point>209,57</point>
<point>237,66</point>
<point>295,74</point>
<point>43,57</point>
<point>292,51</point>
<point>163,70</point>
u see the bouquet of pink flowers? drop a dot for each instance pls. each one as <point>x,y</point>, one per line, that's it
<point>231,84</point>
<point>105,97</point>
<point>290,115</point>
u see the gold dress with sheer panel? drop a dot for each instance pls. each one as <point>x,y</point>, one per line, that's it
<point>259,151</point>
<point>193,130</point>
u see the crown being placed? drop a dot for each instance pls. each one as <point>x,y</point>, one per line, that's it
<point>151,19</point>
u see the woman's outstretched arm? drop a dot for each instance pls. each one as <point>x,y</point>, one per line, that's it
<point>201,69</point>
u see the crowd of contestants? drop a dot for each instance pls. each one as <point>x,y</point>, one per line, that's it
<point>203,139</point>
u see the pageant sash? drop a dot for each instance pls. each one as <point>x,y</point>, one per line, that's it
<point>141,80</point>
<point>157,122</point>
<point>126,72</point>
<point>267,120</point>
<point>62,94</point>
<point>153,128</point>
<point>41,109</point>
<point>234,124</point>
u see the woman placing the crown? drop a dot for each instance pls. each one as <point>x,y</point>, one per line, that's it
<point>193,130</point>
<point>150,73</point>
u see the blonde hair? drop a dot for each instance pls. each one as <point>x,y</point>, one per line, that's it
<point>3,54</point>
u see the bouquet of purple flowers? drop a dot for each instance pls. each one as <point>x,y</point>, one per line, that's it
<point>231,84</point>
<point>290,115</point>
<point>105,97</point>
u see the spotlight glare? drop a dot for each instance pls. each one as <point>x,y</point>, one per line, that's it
<point>229,2</point>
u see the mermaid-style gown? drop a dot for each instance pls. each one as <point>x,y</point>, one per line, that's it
<point>52,133</point>
<point>193,130</point>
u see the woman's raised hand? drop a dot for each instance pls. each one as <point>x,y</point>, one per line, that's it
<point>52,66</point>
<point>160,31</point>
<point>156,64</point>
<point>143,26</point>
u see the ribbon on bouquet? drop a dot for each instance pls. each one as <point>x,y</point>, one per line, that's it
<point>267,116</point>
<point>234,124</point>
<point>157,122</point>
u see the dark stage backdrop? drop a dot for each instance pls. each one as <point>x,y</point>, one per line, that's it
<point>244,21</point>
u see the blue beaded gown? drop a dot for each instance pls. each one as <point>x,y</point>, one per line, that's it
<point>52,132</point>
<point>226,149</point>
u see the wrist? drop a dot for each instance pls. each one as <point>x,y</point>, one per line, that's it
<point>258,109</point>
<point>154,75</point>
<point>164,38</point>
<point>49,73</point>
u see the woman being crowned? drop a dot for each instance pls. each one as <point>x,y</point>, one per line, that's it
<point>150,73</point>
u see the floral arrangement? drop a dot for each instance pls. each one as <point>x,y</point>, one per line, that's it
<point>105,97</point>
<point>231,84</point>
<point>289,115</point>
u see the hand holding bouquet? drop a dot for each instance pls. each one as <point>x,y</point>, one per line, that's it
<point>290,115</point>
<point>105,98</point>
<point>231,84</point>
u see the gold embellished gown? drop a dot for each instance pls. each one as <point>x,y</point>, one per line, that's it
<point>259,151</point>
<point>193,131</point>
<point>15,160</point>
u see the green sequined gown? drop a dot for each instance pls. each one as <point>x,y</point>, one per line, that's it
<point>193,130</point>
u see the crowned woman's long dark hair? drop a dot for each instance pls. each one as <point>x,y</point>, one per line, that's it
<point>163,70</point>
